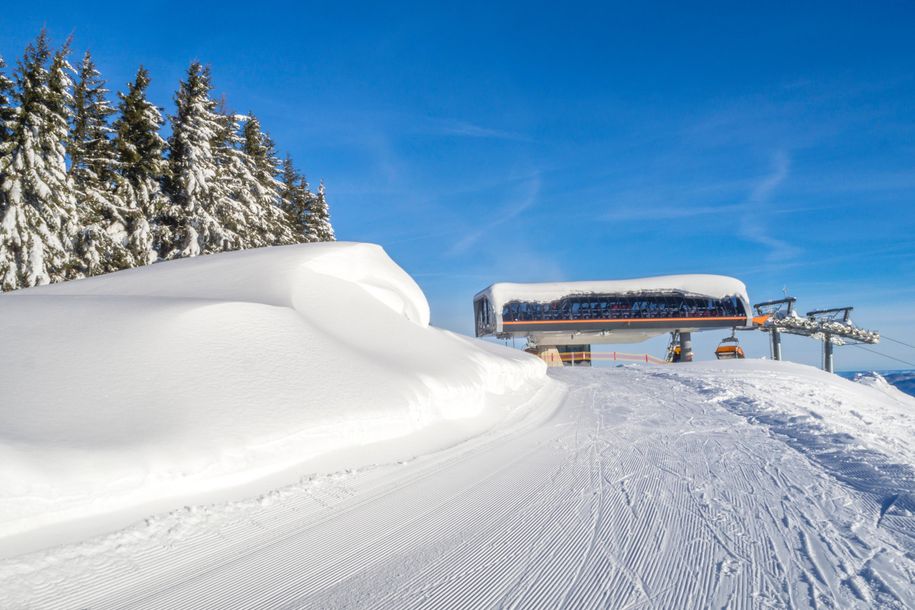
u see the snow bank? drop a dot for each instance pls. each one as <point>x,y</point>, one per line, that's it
<point>207,373</point>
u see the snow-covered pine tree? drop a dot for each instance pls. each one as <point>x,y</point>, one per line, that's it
<point>288,178</point>
<point>37,206</point>
<point>189,226</point>
<point>90,149</point>
<point>319,216</point>
<point>142,165</point>
<point>295,199</point>
<point>105,219</point>
<point>309,228</point>
<point>235,204</point>
<point>262,165</point>
<point>6,94</point>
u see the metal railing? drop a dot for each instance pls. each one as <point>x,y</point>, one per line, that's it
<point>575,357</point>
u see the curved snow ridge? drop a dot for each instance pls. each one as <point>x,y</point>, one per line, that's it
<point>271,276</point>
<point>203,375</point>
<point>358,264</point>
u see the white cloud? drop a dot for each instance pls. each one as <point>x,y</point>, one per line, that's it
<point>511,210</point>
<point>753,226</point>
<point>453,127</point>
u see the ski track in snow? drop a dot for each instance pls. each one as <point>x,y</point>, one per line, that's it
<point>644,488</point>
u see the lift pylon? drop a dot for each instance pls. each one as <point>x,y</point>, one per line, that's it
<point>832,326</point>
<point>770,311</point>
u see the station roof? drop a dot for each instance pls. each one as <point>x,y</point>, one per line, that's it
<point>695,285</point>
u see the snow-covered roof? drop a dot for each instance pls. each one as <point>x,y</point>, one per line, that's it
<point>701,285</point>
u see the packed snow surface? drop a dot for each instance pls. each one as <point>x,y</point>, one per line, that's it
<point>701,285</point>
<point>205,374</point>
<point>734,484</point>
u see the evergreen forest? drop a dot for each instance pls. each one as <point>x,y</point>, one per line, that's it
<point>89,185</point>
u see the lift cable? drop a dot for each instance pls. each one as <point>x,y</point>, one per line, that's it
<point>873,351</point>
<point>897,341</point>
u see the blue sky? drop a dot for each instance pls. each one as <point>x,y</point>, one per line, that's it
<point>532,142</point>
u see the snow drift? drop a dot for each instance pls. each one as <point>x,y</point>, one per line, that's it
<point>207,373</point>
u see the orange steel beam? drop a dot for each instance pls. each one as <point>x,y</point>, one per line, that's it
<point>760,320</point>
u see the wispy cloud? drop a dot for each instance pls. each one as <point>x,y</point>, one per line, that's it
<point>669,213</point>
<point>857,181</point>
<point>753,223</point>
<point>679,213</point>
<point>500,216</point>
<point>751,207</point>
<point>892,253</point>
<point>765,187</point>
<point>465,129</point>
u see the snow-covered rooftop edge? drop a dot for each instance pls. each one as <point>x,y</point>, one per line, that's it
<point>699,285</point>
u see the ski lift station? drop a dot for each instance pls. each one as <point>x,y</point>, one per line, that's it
<point>560,321</point>
<point>556,318</point>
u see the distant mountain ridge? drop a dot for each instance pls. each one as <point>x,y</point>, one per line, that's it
<point>904,380</point>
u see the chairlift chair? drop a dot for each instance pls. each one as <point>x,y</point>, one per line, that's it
<point>729,348</point>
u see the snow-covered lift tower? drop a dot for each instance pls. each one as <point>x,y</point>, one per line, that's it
<point>832,326</point>
<point>555,315</point>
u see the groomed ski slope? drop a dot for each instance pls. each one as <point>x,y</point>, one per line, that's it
<point>198,379</point>
<point>746,484</point>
